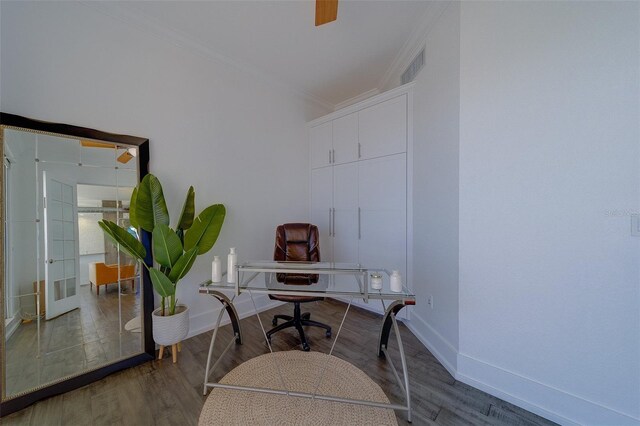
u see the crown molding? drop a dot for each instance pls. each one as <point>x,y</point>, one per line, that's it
<point>357,98</point>
<point>161,31</point>
<point>389,94</point>
<point>414,43</point>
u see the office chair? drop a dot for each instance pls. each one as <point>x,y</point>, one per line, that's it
<point>297,242</point>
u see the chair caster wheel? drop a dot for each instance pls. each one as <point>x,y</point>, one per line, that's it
<point>305,347</point>
<point>328,334</point>
<point>274,322</point>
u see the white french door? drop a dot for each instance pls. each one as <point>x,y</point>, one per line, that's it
<point>61,246</point>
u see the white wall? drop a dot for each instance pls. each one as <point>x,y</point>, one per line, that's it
<point>435,194</point>
<point>22,231</point>
<point>549,146</point>
<point>528,114</point>
<point>239,141</point>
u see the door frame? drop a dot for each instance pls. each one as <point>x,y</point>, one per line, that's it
<point>147,353</point>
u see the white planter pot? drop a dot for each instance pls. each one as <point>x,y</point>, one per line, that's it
<point>169,330</point>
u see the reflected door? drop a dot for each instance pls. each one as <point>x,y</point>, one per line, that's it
<point>61,242</point>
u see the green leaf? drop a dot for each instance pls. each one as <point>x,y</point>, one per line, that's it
<point>161,283</point>
<point>183,265</point>
<point>132,209</point>
<point>205,229</point>
<point>167,247</point>
<point>188,210</point>
<point>151,208</point>
<point>128,243</point>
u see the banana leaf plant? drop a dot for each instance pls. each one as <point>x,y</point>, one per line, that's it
<point>174,251</point>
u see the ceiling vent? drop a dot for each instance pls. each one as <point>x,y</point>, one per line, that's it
<point>414,68</point>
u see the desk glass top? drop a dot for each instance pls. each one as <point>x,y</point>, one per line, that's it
<point>334,280</point>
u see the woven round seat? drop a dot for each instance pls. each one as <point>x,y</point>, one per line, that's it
<point>300,372</point>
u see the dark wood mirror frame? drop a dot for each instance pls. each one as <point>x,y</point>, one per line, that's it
<point>11,405</point>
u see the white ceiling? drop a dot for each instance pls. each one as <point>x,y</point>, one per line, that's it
<point>331,63</point>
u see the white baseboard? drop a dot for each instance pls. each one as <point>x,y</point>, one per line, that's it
<point>544,400</point>
<point>11,326</point>
<point>440,347</point>
<point>205,321</point>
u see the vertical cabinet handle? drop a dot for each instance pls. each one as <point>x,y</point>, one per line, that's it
<point>329,156</point>
<point>359,228</point>
<point>330,220</point>
<point>359,150</point>
<point>334,222</point>
<point>333,156</point>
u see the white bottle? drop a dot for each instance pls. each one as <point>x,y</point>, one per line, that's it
<point>232,260</point>
<point>216,269</point>
<point>396,281</point>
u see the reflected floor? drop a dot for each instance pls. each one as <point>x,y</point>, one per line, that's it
<point>79,340</point>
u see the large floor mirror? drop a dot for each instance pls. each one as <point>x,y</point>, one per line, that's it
<point>74,307</point>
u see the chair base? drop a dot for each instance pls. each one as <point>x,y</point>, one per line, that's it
<point>298,320</point>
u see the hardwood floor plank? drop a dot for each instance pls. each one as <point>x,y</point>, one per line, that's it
<point>74,407</point>
<point>462,417</point>
<point>516,416</point>
<point>48,412</point>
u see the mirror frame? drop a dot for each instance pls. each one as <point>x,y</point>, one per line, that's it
<point>13,404</point>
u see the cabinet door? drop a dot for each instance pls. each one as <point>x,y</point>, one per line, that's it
<point>382,128</point>
<point>321,208</point>
<point>320,145</point>
<point>382,196</point>
<point>345,139</point>
<point>345,203</point>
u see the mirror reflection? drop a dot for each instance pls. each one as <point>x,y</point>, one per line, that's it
<point>71,299</point>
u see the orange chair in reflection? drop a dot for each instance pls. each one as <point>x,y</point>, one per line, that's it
<point>102,274</point>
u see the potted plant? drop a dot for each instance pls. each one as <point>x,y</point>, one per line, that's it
<point>173,251</point>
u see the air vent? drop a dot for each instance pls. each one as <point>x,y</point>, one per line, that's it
<point>414,68</point>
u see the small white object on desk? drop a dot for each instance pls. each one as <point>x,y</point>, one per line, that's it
<point>396,281</point>
<point>376,281</point>
<point>216,269</point>
<point>232,261</point>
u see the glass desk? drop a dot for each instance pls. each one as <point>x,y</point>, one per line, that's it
<point>337,280</point>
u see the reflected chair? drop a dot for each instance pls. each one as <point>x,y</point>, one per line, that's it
<point>102,274</point>
<point>297,242</point>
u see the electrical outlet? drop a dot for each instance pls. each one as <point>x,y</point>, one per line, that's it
<point>430,302</point>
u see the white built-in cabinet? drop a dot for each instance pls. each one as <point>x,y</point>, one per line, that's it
<point>359,181</point>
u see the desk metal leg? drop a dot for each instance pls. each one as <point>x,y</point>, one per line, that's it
<point>388,321</point>
<point>227,305</point>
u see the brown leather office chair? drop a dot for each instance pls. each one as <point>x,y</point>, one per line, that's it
<point>297,242</point>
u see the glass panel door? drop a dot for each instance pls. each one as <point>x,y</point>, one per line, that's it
<point>61,242</point>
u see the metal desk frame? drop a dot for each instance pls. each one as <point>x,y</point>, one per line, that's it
<point>398,302</point>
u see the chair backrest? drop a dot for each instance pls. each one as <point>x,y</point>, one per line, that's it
<point>297,242</point>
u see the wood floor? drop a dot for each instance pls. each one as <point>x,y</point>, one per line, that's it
<point>79,340</point>
<point>163,393</point>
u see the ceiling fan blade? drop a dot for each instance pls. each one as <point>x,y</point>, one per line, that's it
<point>326,11</point>
<point>93,144</point>
<point>125,157</point>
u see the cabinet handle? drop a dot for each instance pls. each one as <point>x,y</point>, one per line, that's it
<point>333,156</point>
<point>359,228</point>
<point>334,222</point>
<point>329,156</point>
<point>330,222</point>
<point>359,148</point>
